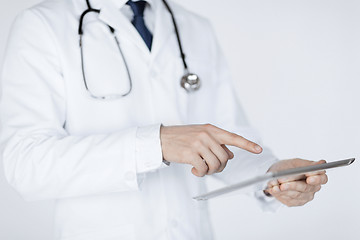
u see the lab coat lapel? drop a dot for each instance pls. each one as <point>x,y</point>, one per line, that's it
<point>112,16</point>
<point>164,28</point>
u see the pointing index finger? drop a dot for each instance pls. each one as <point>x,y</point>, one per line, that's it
<point>232,139</point>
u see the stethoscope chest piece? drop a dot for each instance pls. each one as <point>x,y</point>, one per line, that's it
<point>190,82</point>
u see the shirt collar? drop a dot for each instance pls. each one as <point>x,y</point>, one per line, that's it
<point>97,4</point>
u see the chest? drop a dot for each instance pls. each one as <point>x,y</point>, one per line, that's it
<point>113,64</point>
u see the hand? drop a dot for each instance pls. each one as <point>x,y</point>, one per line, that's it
<point>202,146</point>
<point>298,190</point>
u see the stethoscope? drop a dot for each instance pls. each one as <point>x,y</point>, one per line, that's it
<point>190,81</point>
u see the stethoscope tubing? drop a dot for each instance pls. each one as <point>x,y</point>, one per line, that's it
<point>177,35</point>
<point>185,80</point>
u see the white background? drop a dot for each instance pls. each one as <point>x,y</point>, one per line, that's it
<point>297,69</point>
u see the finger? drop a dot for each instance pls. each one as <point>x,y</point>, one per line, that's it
<point>292,178</point>
<point>317,172</point>
<point>303,163</point>
<point>317,179</point>
<point>275,190</point>
<point>200,167</point>
<point>230,153</point>
<point>300,186</point>
<point>221,155</point>
<point>222,167</point>
<point>299,196</point>
<point>211,160</point>
<point>273,183</point>
<point>284,199</point>
<point>232,139</point>
<point>293,198</point>
<point>280,196</point>
<point>293,194</point>
<point>219,152</point>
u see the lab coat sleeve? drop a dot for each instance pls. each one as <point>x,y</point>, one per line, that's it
<point>41,160</point>
<point>229,114</point>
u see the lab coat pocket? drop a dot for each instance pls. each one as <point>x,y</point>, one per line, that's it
<point>117,232</point>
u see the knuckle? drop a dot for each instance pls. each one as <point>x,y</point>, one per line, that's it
<point>197,143</point>
<point>297,195</point>
<point>214,167</point>
<point>291,186</point>
<point>187,153</point>
<point>310,189</point>
<point>290,195</point>
<point>285,187</point>
<point>203,135</point>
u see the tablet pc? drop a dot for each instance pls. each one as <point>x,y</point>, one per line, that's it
<point>274,175</point>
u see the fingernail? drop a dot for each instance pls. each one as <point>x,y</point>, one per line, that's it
<point>258,148</point>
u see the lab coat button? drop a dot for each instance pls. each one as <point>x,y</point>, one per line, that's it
<point>130,176</point>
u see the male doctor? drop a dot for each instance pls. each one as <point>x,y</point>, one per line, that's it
<point>126,167</point>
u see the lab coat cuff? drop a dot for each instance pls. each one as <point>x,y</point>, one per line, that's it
<point>148,149</point>
<point>266,203</point>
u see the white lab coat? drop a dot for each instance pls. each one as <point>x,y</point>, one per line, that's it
<point>101,160</point>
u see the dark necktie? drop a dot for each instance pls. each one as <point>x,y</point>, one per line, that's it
<point>138,8</point>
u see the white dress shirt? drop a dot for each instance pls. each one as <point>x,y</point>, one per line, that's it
<point>149,12</point>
